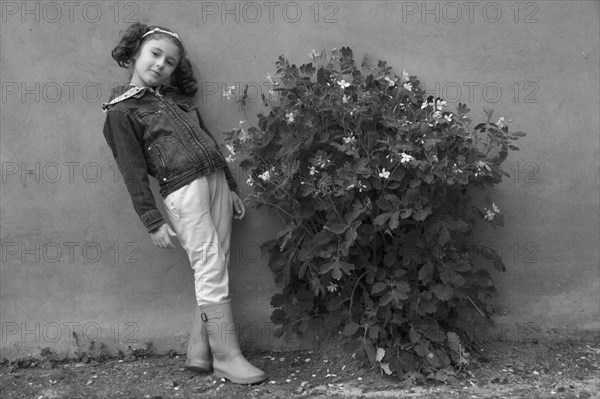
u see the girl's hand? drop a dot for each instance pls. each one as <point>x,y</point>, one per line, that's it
<point>239,209</point>
<point>161,238</point>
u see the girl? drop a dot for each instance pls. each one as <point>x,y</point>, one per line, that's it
<point>153,128</point>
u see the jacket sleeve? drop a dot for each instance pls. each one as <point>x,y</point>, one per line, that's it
<point>124,137</point>
<point>230,179</point>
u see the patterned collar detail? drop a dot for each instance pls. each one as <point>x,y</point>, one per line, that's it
<point>134,91</point>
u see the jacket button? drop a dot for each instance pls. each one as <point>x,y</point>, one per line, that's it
<point>164,178</point>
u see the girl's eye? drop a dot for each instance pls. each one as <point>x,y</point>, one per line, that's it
<point>155,54</point>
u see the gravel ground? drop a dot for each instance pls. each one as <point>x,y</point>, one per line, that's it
<point>501,370</point>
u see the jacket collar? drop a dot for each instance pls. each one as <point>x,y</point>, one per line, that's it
<point>121,93</point>
<point>120,90</point>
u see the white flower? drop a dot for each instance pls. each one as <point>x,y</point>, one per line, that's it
<point>265,176</point>
<point>482,165</point>
<point>230,158</point>
<point>440,104</point>
<point>343,84</point>
<point>405,76</point>
<point>500,122</point>
<point>230,148</point>
<point>350,140</point>
<point>448,117</point>
<point>489,215</point>
<point>391,83</point>
<point>290,117</point>
<point>314,54</point>
<point>332,287</point>
<point>312,170</point>
<point>250,181</point>
<point>437,115</point>
<point>424,105</point>
<point>243,135</point>
<point>385,174</point>
<point>227,93</point>
<point>408,86</point>
<point>406,158</point>
<point>496,209</point>
<point>360,186</point>
<point>345,99</point>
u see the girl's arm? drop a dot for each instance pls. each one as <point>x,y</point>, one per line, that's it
<point>230,179</point>
<point>124,137</point>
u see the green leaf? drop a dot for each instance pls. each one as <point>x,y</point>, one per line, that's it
<point>414,336</point>
<point>433,359</point>
<point>422,214</point>
<point>384,204</point>
<point>381,218</point>
<point>336,267</point>
<point>444,237</point>
<point>426,273</point>
<point>394,221</point>
<point>336,226</point>
<point>457,280</point>
<point>278,316</point>
<point>302,270</point>
<point>335,303</point>
<point>386,299</point>
<point>443,292</point>
<point>427,307</point>
<point>278,300</point>
<point>286,234</point>
<point>458,225</point>
<point>321,77</point>
<point>453,341</point>
<point>378,287</point>
<point>405,213</point>
<point>389,259</point>
<point>350,329</point>
<point>401,291</point>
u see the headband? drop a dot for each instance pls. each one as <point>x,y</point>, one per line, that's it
<point>158,30</point>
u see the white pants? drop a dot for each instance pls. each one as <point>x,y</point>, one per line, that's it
<point>201,214</point>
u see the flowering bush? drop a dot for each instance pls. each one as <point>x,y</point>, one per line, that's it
<point>373,183</point>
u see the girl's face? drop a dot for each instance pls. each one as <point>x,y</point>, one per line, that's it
<point>155,62</point>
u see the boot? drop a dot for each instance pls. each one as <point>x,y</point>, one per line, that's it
<point>198,356</point>
<point>228,361</point>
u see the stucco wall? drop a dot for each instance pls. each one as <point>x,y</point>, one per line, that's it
<point>75,257</point>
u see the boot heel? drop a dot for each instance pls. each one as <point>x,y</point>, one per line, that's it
<point>198,350</point>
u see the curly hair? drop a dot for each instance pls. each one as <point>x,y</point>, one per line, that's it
<point>183,76</point>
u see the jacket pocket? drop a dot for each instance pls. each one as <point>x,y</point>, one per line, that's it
<point>171,157</point>
<point>186,106</point>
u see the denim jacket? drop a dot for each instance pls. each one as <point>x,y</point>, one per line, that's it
<point>161,134</point>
